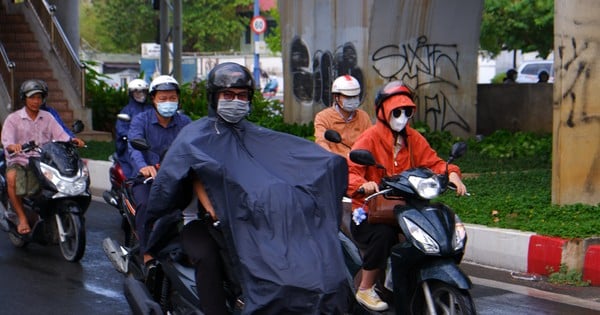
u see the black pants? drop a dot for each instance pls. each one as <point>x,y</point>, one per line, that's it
<point>204,253</point>
<point>377,240</point>
<point>140,193</point>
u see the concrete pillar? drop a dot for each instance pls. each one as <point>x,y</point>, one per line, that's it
<point>430,45</point>
<point>576,109</point>
<point>67,13</point>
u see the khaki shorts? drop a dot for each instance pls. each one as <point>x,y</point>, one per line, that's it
<point>27,183</point>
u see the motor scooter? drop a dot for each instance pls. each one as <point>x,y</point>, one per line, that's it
<point>119,195</point>
<point>56,211</point>
<point>425,275</point>
<point>171,289</point>
<point>115,174</point>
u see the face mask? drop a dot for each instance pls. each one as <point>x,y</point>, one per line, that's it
<point>398,123</point>
<point>351,104</point>
<point>167,109</point>
<point>140,98</point>
<point>233,111</point>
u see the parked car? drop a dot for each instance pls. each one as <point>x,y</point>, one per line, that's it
<point>528,71</point>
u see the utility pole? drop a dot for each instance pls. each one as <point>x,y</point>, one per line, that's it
<point>171,32</point>
<point>256,57</point>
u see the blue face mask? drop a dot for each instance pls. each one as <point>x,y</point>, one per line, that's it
<point>167,109</point>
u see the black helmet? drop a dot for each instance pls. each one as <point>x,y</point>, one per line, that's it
<point>33,86</point>
<point>228,75</point>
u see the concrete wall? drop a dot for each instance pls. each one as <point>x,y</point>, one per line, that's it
<point>514,107</point>
<point>431,45</point>
<point>576,123</point>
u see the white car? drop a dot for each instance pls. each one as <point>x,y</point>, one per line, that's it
<point>528,71</point>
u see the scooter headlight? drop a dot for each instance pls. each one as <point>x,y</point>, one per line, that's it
<point>66,186</point>
<point>427,188</point>
<point>460,233</point>
<point>425,242</point>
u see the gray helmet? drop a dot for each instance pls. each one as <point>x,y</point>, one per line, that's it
<point>33,86</point>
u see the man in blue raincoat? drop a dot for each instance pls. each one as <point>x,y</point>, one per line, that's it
<point>275,198</point>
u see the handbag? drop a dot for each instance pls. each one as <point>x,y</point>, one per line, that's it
<point>381,210</point>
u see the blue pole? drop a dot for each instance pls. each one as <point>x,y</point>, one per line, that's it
<point>256,38</point>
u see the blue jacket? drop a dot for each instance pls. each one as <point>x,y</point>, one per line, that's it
<point>146,126</point>
<point>58,119</point>
<point>122,129</point>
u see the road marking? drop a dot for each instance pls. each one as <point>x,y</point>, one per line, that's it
<point>524,290</point>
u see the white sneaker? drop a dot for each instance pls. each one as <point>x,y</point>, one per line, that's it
<point>371,300</point>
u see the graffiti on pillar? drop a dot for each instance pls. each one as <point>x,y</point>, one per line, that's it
<point>578,59</point>
<point>437,110</point>
<point>419,63</point>
<point>312,76</point>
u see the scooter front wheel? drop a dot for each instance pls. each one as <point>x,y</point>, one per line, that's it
<point>72,236</point>
<point>447,299</point>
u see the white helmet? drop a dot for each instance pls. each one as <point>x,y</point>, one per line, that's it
<point>346,85</point>
<point>164,83</point>
<point>137,85</point>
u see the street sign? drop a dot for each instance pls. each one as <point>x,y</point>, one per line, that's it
<point>258,24</point>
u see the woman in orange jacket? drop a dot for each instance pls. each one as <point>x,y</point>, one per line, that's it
<point>397,147</point>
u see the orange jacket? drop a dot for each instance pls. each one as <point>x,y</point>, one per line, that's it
<point>380,140</point>
<point>329,118</point>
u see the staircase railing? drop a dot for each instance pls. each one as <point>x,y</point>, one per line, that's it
<point>60,44</point>
<point>7,70</point>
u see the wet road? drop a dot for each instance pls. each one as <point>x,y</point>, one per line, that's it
<point>37,280</point>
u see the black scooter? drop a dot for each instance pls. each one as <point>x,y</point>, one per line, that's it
<point>426,278</point>
<point>171,289</point>
<point>56,211</point>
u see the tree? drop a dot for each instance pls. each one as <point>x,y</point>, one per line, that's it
<point>118,26</point>
<point>214,25</point>
<point>526,25</point>
<point>273,40</point>
<point>121,26</point>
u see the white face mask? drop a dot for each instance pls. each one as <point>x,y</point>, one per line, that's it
<point>398,123</point>
<point>351,104</point>
<point>233,111</point>
<point>139,96</point>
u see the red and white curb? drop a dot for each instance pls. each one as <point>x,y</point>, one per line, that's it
<point>500,248</point>
<point>532,253</point>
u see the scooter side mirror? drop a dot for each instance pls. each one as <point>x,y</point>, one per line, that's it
<point>124,117</point>
<point>140,144</point>
<point>333,136</point>
<point>77,126</point>
<point>458,149</point>
<point>362,157</point>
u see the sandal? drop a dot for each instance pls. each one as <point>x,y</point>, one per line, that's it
<point>23,228</point>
